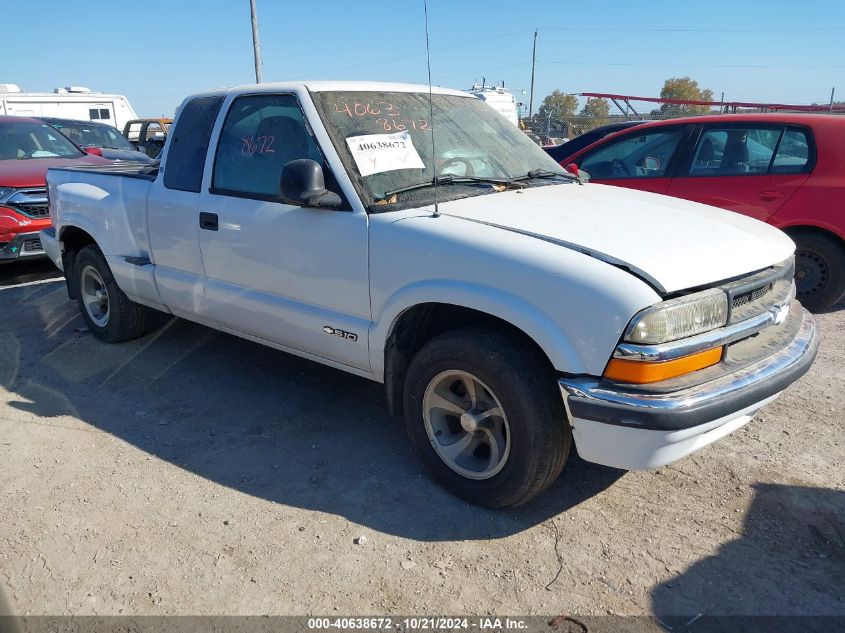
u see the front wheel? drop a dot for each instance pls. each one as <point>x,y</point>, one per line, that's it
<point>486,416</point>
<point>110,315</point>
<point>819,271</point>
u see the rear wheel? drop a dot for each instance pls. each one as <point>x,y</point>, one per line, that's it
<point>110,315</point>
<point>819,270</point>
<point>486,416</point>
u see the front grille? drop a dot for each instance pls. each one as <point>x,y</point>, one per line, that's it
<point>30,202</point>
<point>32,210</point>
<point>760,292</point>
<point>32,245</point>
<point>751,296</point>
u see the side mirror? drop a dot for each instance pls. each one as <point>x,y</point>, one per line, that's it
<point>576,171</point>
<point>93,151</point>
<point>302,184</point>
<point>651,163</point>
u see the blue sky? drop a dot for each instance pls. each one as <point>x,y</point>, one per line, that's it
<point>156,51</point>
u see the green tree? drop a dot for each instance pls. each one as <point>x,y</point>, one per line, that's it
<point>597,107</point>
<point>687,89</point>
<point>596,112</point>
<point>561,104</point>
<point>551,120</point>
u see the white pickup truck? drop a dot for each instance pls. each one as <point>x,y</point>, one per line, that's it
<point>508,307</point>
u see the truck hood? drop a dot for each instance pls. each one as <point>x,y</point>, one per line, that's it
<point>33,172</point>
<point>671,243</point>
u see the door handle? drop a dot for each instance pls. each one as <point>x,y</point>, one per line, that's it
<point>208,221</point>
<point>769,194</point>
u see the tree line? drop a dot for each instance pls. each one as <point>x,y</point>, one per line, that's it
<point>559,113</point>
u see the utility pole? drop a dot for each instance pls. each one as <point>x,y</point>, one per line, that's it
<point>256,42</point>
<point>832,90</point>
<point>533,64</point>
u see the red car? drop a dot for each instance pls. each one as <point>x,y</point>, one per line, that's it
<point>27,149</point>
<point>785,169</point>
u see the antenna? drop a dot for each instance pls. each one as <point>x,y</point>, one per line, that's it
<point>431,110</point>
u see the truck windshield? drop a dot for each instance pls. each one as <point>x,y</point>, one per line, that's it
<point>93,135</point>
<point>24,139</point>
<point>384,141</point>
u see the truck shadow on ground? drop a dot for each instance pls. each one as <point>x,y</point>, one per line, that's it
<point>789,559</point>
<point>260,421</point>
<point>27,272</point>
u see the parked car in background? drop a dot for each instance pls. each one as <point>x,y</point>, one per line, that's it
<point>508,308</point>
<point>147,135</point>
<point>104,140</point>
<point>28,148</point>
<point>785,169</point>
<point>564,150</point>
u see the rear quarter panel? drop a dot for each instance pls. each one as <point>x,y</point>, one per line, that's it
<point>820,202</point>
<point>110,208</point>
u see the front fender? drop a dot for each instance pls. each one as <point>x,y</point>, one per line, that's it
<point>494,301</point>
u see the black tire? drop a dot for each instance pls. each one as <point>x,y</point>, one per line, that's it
<point>819,270</point>
<point>126,319</point>
<point>524,384</point>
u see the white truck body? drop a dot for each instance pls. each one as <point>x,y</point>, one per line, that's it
<point>73,102</point>
<point>568,265</point>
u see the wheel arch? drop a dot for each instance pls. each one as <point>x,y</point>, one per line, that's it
<point>803,227</point>
<point>406,326</point>
<point>72,239</point>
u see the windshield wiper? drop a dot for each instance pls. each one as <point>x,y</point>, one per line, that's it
<point>449,179</point>
<point>545,173</point>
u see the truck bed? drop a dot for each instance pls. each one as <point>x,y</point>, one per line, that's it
<point>144,171</point>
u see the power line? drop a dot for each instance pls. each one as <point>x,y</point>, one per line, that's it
<point>422,54</point>
<point>676,65</point>
<point>482,70</point>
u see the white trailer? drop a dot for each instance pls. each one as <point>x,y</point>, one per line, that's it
<point>71,102</point>
<point>498,98</point>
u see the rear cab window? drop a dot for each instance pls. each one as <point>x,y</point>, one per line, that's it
<point>134,131</point>
<point>189,144</point>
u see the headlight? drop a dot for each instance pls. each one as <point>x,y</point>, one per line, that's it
<point>6,193</point>
<point>679,318</point>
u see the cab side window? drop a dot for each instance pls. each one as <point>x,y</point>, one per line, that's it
<point>260,135</point>
<point>644,154</point>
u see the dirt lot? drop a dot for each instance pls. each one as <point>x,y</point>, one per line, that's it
<point>193,472</point>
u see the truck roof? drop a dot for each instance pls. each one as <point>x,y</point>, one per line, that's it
<point>332,86</point>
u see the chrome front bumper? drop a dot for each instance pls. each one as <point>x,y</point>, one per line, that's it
<point>610,412</point>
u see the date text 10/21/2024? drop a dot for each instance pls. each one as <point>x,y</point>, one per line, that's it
<point>422,623</point>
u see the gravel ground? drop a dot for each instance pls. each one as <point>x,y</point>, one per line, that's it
<point>191,472</point>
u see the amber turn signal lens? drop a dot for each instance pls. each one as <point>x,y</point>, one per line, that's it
<point>644,372</point>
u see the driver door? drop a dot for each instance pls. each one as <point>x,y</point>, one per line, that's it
<point>293,276</point>
<point>641,159</point>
